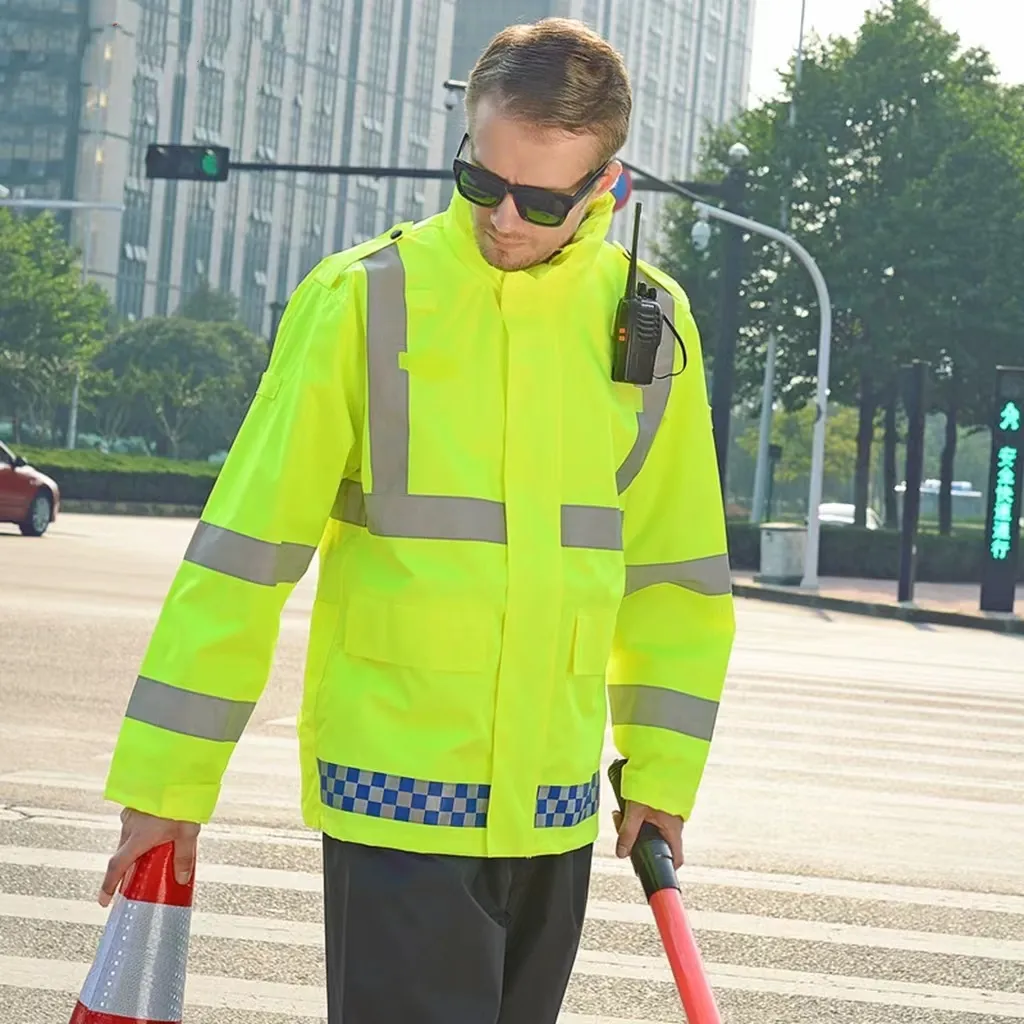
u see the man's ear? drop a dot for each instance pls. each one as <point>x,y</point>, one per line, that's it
<point>608,179</point>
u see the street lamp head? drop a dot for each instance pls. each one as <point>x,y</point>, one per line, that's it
<point>739,154</point>
<point>701,235</point>
<point>452,88</point>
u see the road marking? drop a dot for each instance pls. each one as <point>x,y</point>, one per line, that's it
<point>730,725</point>
<point>226,993</point>
<point>811,985</point>
<point>234,795</point>
<point>241,928</point>
<point>212,992</point>
<point>691,875</point>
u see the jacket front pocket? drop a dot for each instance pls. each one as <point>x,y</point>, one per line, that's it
<point>436,635</point>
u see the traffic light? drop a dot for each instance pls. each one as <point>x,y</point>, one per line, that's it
<point>187,163</point>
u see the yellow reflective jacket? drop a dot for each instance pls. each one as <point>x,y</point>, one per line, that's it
<point>509,542</point>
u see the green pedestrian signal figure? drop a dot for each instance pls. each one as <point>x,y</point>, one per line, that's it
<point>1010,417</point>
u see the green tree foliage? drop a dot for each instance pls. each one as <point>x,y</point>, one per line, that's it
<point>209,305</point>
<point>50,325</point>
<point>183,382</point>
<point>904,177</point>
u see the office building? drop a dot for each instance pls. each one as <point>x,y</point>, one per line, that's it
<point>354,82</point>
<point>689,64</point>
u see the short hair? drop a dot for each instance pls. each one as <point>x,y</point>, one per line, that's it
<point>556,74</point>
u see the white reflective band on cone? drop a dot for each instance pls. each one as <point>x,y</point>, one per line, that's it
<point>139,970</point>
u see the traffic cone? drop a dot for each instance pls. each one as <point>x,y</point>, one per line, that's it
<point>138,976</point>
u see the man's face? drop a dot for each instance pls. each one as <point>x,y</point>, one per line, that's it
<point>524,155</point>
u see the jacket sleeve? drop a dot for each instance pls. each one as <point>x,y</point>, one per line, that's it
<point>209,657</point>
<point>675,627</point>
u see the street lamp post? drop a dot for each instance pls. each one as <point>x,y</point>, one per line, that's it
<point>723,372</point>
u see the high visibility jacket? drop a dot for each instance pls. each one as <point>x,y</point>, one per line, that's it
<point>508,543</point>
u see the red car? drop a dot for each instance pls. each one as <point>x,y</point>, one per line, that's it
<point>27,497</point>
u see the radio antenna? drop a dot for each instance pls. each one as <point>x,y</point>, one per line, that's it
<point>631,279</point>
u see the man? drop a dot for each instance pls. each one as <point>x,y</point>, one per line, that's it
<point>503,533</point>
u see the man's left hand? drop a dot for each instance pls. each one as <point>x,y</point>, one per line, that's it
<point>669,825</point>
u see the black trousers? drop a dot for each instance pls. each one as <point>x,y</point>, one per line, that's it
<point>418,939</point>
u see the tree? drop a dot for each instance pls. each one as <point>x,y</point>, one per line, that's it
<point>50,325</point>
<point>794,431</point>
<point>183,383</point>
<point>208,305</point>
<point>882,179</point>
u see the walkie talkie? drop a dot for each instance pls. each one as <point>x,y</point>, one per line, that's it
<point>638,324</point>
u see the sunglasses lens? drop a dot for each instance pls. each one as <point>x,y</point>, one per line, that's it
<point>476,188</point>
<point>543,217</point>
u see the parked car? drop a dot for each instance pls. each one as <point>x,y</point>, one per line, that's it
<point>839,513</point>
<point>27,497</point>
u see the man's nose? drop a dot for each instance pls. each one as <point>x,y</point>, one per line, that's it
<point>505,217</point>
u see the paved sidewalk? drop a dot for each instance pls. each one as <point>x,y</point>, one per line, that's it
<point>954,604</point>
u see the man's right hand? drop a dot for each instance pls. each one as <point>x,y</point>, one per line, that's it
<point>141,833</point>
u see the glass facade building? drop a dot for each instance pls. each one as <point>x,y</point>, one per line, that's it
<point>87,85</point>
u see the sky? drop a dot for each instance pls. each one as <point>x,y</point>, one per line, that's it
<point>998,25</point>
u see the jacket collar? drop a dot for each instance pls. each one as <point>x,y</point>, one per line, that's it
<point>571,260</point>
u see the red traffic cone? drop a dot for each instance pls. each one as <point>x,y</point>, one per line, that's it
<point>138,976</point>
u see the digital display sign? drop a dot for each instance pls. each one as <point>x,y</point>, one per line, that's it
<point>1006,483</point>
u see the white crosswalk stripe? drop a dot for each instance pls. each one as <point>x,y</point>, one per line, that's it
<point>922,779</point>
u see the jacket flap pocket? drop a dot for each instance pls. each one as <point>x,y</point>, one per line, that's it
<point>592,642</point>
<point>444,636</point>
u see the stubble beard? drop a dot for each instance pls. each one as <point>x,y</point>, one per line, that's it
<point>505,261</point>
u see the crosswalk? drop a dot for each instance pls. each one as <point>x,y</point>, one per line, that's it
<point>858,856</point>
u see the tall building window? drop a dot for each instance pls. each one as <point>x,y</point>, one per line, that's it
<point>209,117</point>
<point>151,42</point>
<point>366,217</point>
<point>217,30</point>
<point>135,223</point>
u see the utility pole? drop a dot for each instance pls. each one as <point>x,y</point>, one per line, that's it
<point>757,506</point>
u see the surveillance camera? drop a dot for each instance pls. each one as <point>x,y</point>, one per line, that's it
<point>701,235</point>
<point>450,99</point>
<point>738,154</point>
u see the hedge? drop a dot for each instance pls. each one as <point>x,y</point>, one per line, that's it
<point>94,476</point>
<point>875,554</point>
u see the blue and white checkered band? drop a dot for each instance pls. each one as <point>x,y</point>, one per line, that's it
<point>566,806</point>
<point>451,804</point>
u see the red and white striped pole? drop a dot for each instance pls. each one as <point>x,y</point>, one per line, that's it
<point>652,862</point>
<point>138,976</point>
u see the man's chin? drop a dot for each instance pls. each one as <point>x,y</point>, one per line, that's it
<point>507,258</point>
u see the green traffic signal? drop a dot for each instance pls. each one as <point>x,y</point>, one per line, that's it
<point>210,164</point>
<point>187,163</point>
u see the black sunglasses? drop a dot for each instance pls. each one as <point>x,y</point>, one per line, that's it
<point>539,206</point>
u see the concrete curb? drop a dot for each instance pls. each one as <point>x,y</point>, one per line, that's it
<point>129,508</point>
<point>1013,625</point>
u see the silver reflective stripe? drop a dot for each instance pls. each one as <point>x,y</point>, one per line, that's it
<point>349,506</point>
<point>592,526</point>
<point>390,510</point>
<point>138,972</point>
<point>388,390</point>
<point>421,516</point>
<point>709,576</point>
<point>655,395</point>
<point>663,709</point>
<point>188,713</point>
<point>245,558</point>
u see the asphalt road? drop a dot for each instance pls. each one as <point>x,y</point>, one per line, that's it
<point>857,854</point>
